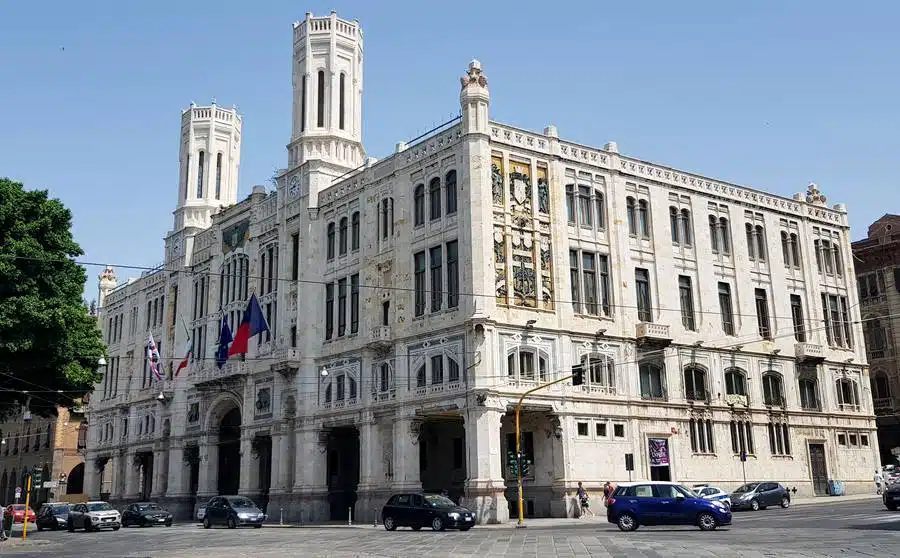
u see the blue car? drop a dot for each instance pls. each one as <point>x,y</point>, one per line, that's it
<point>663,503</point>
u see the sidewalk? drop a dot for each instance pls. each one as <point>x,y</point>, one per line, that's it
<point>834,499</point>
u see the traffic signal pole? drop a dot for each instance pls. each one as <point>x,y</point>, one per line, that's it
<point>27,503</point>
<point>521,522</point>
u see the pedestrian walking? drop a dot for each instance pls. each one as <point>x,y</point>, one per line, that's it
<point>583,501</point>
<point>879,482</point>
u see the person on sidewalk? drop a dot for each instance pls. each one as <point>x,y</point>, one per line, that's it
<point>583,501</point>
<point>879,482</point>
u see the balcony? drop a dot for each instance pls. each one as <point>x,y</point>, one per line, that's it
<point>773,401</point>
<point>736,400</point>
<point>697,396</point>
<point>210,372</point>
<point>809,353</point>
<point>286,361</point>
<point>380,337</point>
<point>884,406</point>
<point>656,335</point>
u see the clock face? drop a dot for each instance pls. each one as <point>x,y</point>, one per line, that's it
<point>295,185</point>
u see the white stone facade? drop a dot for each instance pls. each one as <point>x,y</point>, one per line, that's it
<point>458,273</point>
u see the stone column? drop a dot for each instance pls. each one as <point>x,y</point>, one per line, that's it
<point>132,477</point>
<point>249,462</point>
<point>176,472</point>
<point>369,469</point>
<point>406,453</point>
<point>485,486</point>
<point>91,478</point>
<point>159,474</point>
<point>564,503</point>
<point>209,468</point>
<point>310,503</point>
<point>280,462</point>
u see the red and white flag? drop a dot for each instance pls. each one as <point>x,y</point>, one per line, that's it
<point>153,357</point>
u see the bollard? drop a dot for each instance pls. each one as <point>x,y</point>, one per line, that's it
<point>281,516</point>
<point>350,517</point>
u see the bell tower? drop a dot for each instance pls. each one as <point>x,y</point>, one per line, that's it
<point>209,161</point>
<point>327,98</point>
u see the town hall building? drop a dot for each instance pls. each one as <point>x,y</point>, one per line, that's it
<point>412,300</point>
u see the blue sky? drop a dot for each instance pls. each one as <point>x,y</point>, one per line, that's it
<point>772,95</point>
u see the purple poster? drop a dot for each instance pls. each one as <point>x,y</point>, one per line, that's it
<point>659,452</point>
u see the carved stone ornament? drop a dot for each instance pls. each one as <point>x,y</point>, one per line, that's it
<point>473,76</point>
<point>815,196</point>
<point>415,431</point>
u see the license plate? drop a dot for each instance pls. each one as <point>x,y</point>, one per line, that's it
<point>161,520</point>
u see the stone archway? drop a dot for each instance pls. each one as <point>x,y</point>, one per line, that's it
<point>229,454</point>
<point>75,480</point>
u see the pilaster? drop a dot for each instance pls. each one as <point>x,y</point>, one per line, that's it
<point>406,453</point>
<point>176,474</point>
<point>485,487</point>
<point>209,458</point>
<point>248,482</point>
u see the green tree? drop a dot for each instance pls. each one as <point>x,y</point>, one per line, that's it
<point>49,345</point>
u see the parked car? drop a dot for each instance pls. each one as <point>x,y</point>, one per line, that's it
<point>419,510</point>
<point>232,511</point>
<point>93,516</point>
<point>18,513</point>
<point>891,497</point>
<point>146,514</point>
<point>759,496</point>
<point>52,516</point>
<point>663,503</point>
<point>713,493</point>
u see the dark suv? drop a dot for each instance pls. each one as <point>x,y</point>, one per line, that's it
<point>759,496</point>
<point>418,510</point>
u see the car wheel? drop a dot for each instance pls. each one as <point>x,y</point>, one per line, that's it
<point>785,502</point>
<point>117,527</point>
<point>389,524</point>
<point>87,526</point>
<point>168,523</point>
<point>437,524</point>
<point>143,522</point>
<point>231,523</point>
<point>706,522</point>
<point>206,523</point>
<point>627,522</point>
<point>754,505</point>
<point>70,526</point>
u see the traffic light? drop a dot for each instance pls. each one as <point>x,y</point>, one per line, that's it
<point>526,466</point>
<point>577,375</point>
<point>512,463</point>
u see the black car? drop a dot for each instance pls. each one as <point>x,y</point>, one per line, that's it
<point>759,496</point>
<point>418,510</point>
<point>145,514</point>
<point>891,496</point>
<point>52,516</point>
<point>233,511</point>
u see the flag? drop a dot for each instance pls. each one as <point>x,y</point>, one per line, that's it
<point>224,339</point>
<point>188,349</point>
<point>153,357</point>
<point>252,324</point>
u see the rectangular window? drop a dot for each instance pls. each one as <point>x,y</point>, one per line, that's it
<point>797,318</point>
<point>341,95</point>
<point>419,260</point>
<point>762,314</point>
<point>589,278</point>
<point>218,176</point>
<point>303,104</point>
<point>605,285</point>
<point>201,162</point>
<point>725,308</point>
<point>600,429</point>
<point>573,278</point>
<point>452,274</point>
<point>295,256</point>
<point>329,310</point>
<point>354,303</point>
<point>570,203</point>
<point>386,312</point>
<point>644,301</point>
<point>583,429</point>
<point>293,337</point>
<point>584,206</point>
<point>437,369</point>
<point>837,320</point>
<point>686,297</point>
<point>342,307</point>
<point>437,287</point>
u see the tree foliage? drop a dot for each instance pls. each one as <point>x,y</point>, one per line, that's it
<point>49,345</point>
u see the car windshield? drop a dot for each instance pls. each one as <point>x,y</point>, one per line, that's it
<point>242,502</point>
<point>101,506</point>
<point>61,509</point>
<point>750,487</point>
<point>145,507</point>
<point>439,501</point>
<point>687,491</point>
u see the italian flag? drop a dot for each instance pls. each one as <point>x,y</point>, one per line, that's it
<point>188,350</point>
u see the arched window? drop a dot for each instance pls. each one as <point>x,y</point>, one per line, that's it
<point>341,100</point>
<point>342,236</point>
<point>354,231</point>
<point>600,204</point>
<point>653,380</point>
<point>760,242</point>
<point>419,205</point>
<point>687,231</point>
<point>434,198</point>
<point>724,236</point>
<point>384,377</point>
<point>450,187</point>
<point>785,249</point>
<point>452,370</point>
<point>328,393</point>
<point>702,439</point>
<point>773,389</point>
<point>320,100</point>
<point>847,394</point>
<point>303,104</point>
<point>735,382</point>
<point>809,393</point>
<point>673,225</point>
<point>201,161</point>
<point>876,338</point>
<point>680,223</point>
<point>644,217</point>
<point>881,391</point>
<point>421,378</point>
<point>601,375</point>
<point>218,176</point>
<point>714,234</point>
<point>751,242</point>
<point>385,219</point>
<point>526,365</point>
<point>630,214</point>
<point>795,249</point>
<point>330,242</point>
<point>695,388</point>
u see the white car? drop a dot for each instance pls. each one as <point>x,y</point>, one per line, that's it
<point>713,493</point>
<point>93,516</point>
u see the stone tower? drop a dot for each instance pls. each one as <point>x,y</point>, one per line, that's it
<point>209,161</point>
<point>107,281</point>
<point>326,133</point>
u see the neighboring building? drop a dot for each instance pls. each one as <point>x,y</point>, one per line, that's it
<point>53,445</point>
<point>878,276</point>
<point>413,300</point>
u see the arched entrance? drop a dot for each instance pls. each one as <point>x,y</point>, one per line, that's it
<point>342,468</point>
<point>229,452</point>
<point>75,480</point>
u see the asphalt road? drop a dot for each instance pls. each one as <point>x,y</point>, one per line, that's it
<point>827,529</point>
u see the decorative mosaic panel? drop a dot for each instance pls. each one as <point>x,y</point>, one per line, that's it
<point>543,191</point>
<point>497,179</point>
